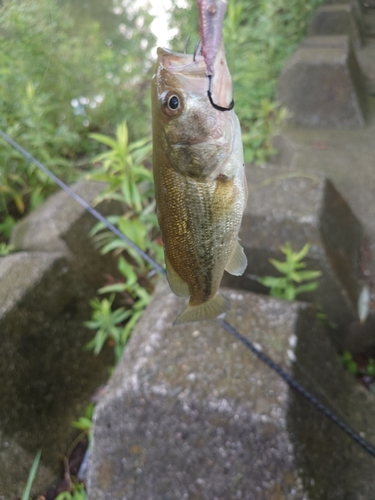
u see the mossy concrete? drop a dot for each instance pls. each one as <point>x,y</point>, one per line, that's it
<point>338,19</point>
<point>299,208</point>
<point>190,413</point>
<point>46,376</point>
<point>321,84</point>
<point>60,224</point>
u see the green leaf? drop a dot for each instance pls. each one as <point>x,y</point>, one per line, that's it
<point>127,271</point>
<point>305,275</point>
<point>115,288</point>
<point>83,423</point>
<point>32,474</point>
<point>104,139</point>
<point>302,253</point>
<point>283,267</point>
<point>271,281</point>
<point>307,287</point>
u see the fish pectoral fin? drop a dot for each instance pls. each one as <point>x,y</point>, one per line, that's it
<point>237,262</point>
<point>178,286</point>
<point>210,309</point>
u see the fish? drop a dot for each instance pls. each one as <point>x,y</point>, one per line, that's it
<point>211,18</point>
<point>200,184</point>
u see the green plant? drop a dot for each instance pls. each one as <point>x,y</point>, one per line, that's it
<point>370,368</point>
<point>6,249</point>
<point>84,423</point>
<point>66,71</point>
<point>77,492</point>
<point>32,474</point>
<point>117,325</point>
<point>130,182</point>
<point>349,363</point>
<point>293,270</point>
<point>122,168</point>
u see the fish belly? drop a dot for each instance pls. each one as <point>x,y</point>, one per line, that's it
<point>199,221</point>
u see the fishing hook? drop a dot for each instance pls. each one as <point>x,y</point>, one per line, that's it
<point>198,50</point>
<point>209,93</point>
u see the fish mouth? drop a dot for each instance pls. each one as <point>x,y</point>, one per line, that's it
<point>191,72</point>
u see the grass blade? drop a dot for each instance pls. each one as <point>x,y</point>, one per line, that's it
<point>32,474</point>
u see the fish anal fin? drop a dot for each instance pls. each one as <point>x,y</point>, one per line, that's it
<point>178,286</point>
<point>237,262</point>
<point>210,309</point>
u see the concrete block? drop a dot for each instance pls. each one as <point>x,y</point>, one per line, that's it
<point>60,224</point>
<point>338,19</point>
<point>322,85</point>
<point>285,205</point>
<point>46,376</point>
<point>190,414</point>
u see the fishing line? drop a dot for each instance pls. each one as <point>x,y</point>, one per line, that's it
<point>288,379</point>
<point>84,204</point>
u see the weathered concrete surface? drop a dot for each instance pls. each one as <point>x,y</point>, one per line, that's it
<point>292,206</point>
<point>46,376</point>
<point>346,157</point>
<point>190,414</point>
<point>62,225</point>
<point>338,19</point>
<point>321,84</point>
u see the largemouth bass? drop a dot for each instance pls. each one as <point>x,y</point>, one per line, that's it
<point>200,185</point>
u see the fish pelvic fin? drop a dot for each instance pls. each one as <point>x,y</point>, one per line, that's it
<point>237,262</point>
<point>178,286</point>
<point>210,309</point>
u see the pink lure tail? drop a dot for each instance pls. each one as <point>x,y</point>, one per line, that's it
<point>211,18</point>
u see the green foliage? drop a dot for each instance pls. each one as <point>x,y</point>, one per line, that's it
<point>370,368</point>
<point>349,363</point>
<point>259,36</point>
<point>132,184</point>
<point>66,70</point>
<point>293,270</point>
<point>32,474</point>
<point>6,249</point>
<point>84,423</point>
<point>77,492</point>
<point>109,323</point>
<point>122,167</point>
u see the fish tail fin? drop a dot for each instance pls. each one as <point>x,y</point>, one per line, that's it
<point>210,309</point>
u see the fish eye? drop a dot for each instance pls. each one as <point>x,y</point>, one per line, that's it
<point>172,103</point>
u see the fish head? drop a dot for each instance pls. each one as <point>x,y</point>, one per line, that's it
<point>196,138</point>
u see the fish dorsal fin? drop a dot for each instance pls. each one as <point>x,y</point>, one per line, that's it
<point>210,309</point>
<point>237,262</point>
<point>178,286</point>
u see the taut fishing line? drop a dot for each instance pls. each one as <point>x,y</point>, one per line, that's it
<point>288,379</point>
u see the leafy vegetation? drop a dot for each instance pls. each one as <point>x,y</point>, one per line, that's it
<point>131,183</point>
<point>362,367</point>
<point>259,36</point>
<point>63,75</point>
<point>292,283</point>
<point>77,492</point>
